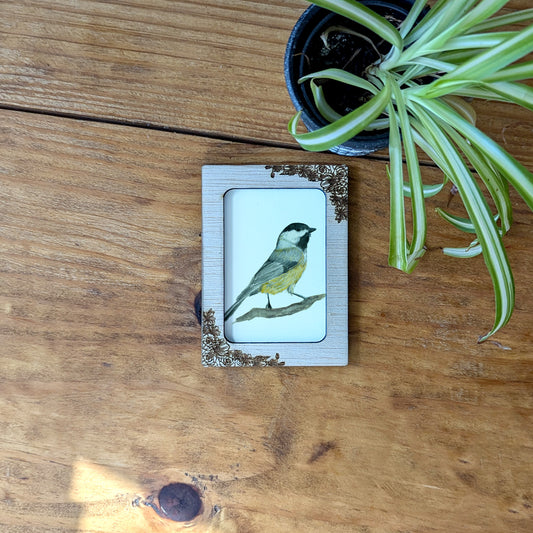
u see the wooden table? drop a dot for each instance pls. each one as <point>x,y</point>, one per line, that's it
<point>108,110</point>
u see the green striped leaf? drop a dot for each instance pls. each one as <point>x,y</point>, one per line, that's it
<point>397,232</point>
<point>498,187</point>
<point>486,63</point>
<point>323,107</point>
<point>363,15</point>
<point>515,72</point>
<point>516,93</point>
<point>523,15</point>
<point>456,18</point>
<point>427,190</point>
<point>479,213</point>
<point>338,74</point>
<point>461,223</point>
<point>342,129</point>
<point>517,175</point>
<point>464,253</point>
<point>416,249</point>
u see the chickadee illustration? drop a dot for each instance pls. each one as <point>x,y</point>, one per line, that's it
<point>284,267</point>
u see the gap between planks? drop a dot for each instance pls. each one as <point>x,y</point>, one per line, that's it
<point>170,129</point>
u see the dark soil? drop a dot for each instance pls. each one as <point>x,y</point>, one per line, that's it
<point>347,52</point>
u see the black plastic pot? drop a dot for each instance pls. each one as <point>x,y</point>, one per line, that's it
<point>301,46</point>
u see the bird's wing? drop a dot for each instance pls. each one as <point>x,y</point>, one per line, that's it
<point>279,262</point>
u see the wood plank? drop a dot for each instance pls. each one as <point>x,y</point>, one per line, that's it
<point>207,67</point>
<point>103,398</point>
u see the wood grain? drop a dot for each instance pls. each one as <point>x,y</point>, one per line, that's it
<point>213,68</point>
<point>103,398</point>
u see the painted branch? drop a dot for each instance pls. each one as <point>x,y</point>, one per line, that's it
<point>275,312</point>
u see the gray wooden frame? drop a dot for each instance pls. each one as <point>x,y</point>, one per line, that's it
<point>216,349</point>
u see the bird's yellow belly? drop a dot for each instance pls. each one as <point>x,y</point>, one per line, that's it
<point>284,281</point>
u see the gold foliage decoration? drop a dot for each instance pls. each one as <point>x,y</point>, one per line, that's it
<point>217,352</point>
<point>332,178</point>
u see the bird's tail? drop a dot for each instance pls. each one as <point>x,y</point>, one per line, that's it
<point>233,308</point>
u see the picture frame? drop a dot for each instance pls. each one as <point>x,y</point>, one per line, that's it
<point>274,265</point>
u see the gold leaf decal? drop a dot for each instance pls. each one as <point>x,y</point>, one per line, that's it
<point>216,350</point>
<point>332,178</point>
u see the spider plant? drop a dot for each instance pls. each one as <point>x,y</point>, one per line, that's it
<point>456,50</point>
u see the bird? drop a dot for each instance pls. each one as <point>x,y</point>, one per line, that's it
<point>283,268</point>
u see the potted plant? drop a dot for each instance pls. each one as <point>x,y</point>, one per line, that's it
<point>322,39</point>
<point>425,65</point>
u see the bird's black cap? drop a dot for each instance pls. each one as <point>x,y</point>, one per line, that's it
<point>299,226</point>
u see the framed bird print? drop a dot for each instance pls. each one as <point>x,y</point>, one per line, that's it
<point>274,265</point>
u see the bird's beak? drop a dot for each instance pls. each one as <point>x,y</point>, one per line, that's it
<point>311,230</point>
